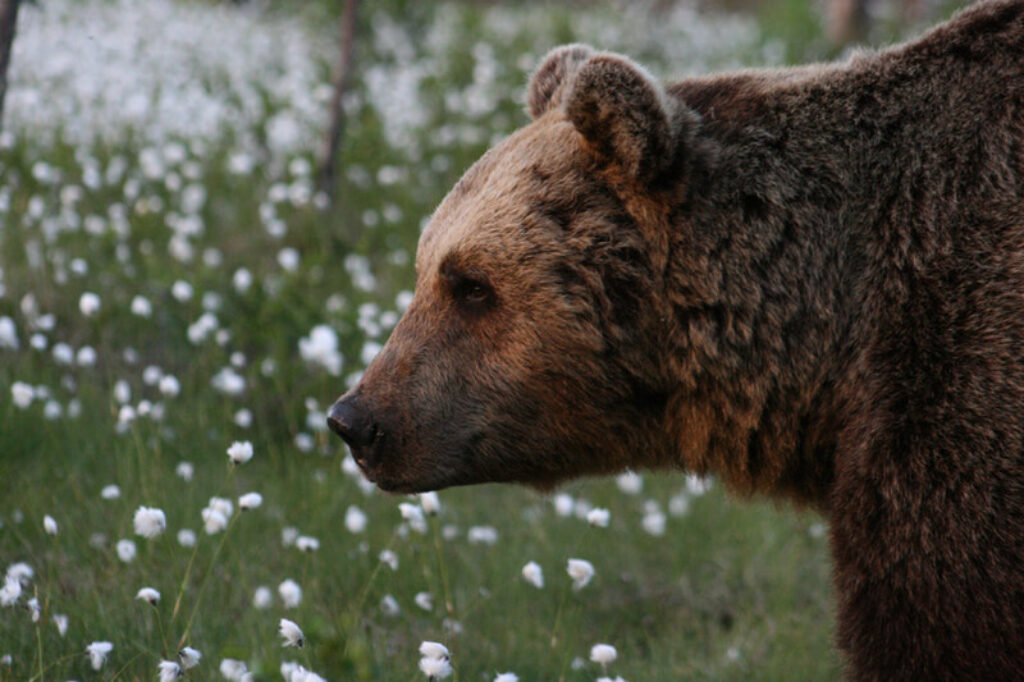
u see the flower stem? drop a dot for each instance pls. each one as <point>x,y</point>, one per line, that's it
<point>39,648</point>
<point>184,582</point>
<point>449,605</point>
<point>192,559</point>
<point>358,606</point>
<point>206,580</point>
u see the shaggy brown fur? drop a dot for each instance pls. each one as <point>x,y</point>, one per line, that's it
<point>809,282</point>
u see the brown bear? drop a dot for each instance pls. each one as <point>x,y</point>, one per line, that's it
<point>808,282</point>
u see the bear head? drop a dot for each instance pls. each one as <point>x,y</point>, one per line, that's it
<point>530,350</point>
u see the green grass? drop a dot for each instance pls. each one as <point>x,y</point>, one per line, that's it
<point>733,590</point>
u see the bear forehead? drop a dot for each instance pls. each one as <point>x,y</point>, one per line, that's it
<point>500,191</point>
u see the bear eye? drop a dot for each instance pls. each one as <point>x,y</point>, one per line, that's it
<point>471,292</point>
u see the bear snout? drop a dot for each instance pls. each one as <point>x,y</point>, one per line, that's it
<point>357,428</point>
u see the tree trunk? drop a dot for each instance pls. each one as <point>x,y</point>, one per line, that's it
<point>848,21</point>
<point>327,176</point>
<point>8,20</point>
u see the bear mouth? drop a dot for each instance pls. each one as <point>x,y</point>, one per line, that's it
<point>411,483</point>
<point>391,484</point>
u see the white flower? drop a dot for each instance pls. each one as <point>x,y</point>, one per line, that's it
<point>122,391</point>
<point>228,381</point>
<point>53,409</point>
<point>291,593</point>
<point>436,661</point>
<point>151,375</point>
<point>89,304</point>
<point>424,600</point>
<point>34,609</point>
<point>388,557</point>
<point>126,415</point>
<point>149,522</point>
<point>181,291</point>
<point>506,677</point>
<point>20,571</point>
<point>697,485</point>
<point>262,598</point>
<point>125,550</point>
<point>289,535</point>
<point>61,621</point>
<point>414,515</point>
<point>86,356</point>
<point>202,328</point>
<point>431,503</point>
<point>141,306</point>
<point>169,385</point>
<point>436,668</point>
<point>110,492</point>
<point>22,394</point>
<point>214,521</point>
<point>184,471</point>
<point>189,657</point>
<point>581,571</point>
<point>8,333</point>
<point>288,258</point>
<point>679,504</point>
<point>434,650</point>
<point>63,354</point>
<point>49,525</point>
<point>534,574</point>
<point>169,671</point>
<point>243,418</point>
<point>11,591</point>
<point>306,543</point>
<point>321,347</point>
<point>240,452</point>
<point>603,654</point>
<point>630,483</point>
<point>293,672</point>
<point>222,505</point>
<point>304,442</point>
<point>598,517</point>
<point>98,653</point>
<point>355,519</point>
<point>232,669</point>
<point>187,537</point>
<point>389,605</point>
<point>242,280</point>
<point>654,522</point>
<point>563,504</point>
<point>291,633</point>
<point>148,594</point>
<point>482,535</point>
<point>250,501</point>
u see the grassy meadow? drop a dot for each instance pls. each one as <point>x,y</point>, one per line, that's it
<point>171,283</point>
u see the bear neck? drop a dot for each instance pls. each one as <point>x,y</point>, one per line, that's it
<point>799,223</point>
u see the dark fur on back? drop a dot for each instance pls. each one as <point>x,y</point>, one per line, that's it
<point>849,299</point>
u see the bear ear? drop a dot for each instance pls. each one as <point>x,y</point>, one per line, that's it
<point>624,115</point>
<point>550,80</point>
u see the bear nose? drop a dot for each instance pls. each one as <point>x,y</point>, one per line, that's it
<point>354,425</point>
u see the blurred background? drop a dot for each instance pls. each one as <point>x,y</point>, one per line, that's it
<point>208,215</point>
